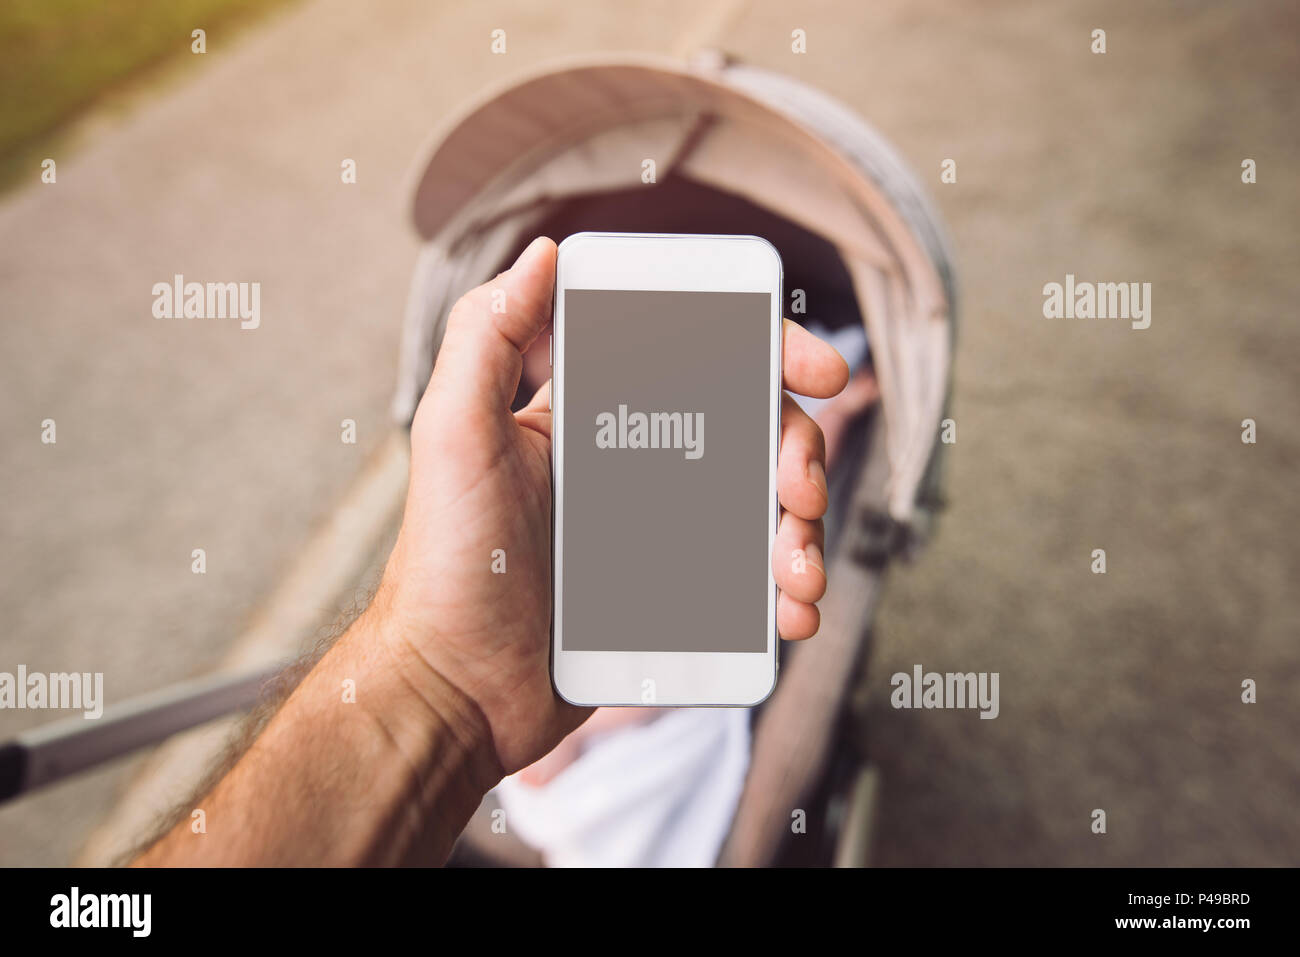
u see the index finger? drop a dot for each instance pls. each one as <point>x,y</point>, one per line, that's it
<point>811,367</point>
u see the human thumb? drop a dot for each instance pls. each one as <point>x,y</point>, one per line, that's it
<point>491,327</point>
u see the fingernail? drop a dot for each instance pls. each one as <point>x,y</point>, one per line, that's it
<point>527,250</point>
<point>813,554</point>
<point>815,472</point>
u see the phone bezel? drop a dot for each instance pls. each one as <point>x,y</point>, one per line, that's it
<point>675,262</point>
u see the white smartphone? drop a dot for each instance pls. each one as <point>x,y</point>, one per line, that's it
<point>666,402</point>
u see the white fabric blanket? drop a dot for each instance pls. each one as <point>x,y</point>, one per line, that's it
<point>655,795</point>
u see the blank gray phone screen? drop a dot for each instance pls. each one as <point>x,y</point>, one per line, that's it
<point>667,418</point>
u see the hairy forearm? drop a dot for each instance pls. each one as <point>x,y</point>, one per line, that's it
<point>373,759</point>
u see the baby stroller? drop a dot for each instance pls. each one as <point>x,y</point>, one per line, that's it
<point>648,145</point>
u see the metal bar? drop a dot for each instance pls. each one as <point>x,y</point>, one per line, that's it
<point>853,849</point>
<point>47,754</point>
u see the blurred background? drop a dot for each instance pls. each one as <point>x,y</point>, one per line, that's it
<point>1119,691</point>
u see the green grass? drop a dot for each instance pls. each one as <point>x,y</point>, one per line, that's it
<point>59,57</point>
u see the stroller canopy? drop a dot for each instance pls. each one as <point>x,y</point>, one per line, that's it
<point>554,138</point>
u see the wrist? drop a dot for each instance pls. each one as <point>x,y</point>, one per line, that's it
<point>423,711</point>
<point>424,752</point>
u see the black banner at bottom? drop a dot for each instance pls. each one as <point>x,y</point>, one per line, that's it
<point>332,907</point>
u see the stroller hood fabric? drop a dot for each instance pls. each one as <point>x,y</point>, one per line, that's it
<point>591,126</point>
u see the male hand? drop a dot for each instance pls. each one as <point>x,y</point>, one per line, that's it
<point>481,481</point>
